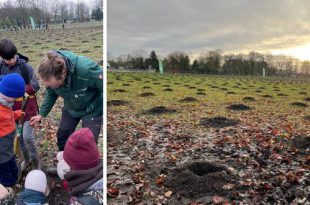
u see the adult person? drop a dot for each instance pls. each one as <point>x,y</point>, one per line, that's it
<point>14,62</point>
<point>78,80</point>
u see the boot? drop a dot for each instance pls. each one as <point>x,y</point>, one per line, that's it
<point>25,163</point>
<point>51,170</point>
<point>36,163</point>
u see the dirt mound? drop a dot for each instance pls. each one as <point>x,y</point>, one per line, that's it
<point>201,89</point>
<point>117,102</point>
<point>200,93</point>
<point>192,87</point>
<point>126,84</point>
<point>281,94</point>
<point>230,92</point>
<point>160,110</point>
<point>307,117</point>
<point>120,91</point>
<point>248,98</point>
<point>299,104</point>
<point>168,90</point>
<point>267,96</point>
<point>301,142</point>
<point>199,179</point>
<point>146,87</point>
<point>307,99</point>
<point>188,99</point>
<point>218,122</point>
<point>238,107</point>
<point>303,93</point>
<point>147,94</point>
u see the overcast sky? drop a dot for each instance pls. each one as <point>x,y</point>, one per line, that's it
<point>194,26</point>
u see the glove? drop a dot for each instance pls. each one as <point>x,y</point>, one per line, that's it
<point>30,90</point>
<point>62,166</point>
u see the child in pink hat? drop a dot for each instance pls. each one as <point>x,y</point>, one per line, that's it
<point>82,168</point>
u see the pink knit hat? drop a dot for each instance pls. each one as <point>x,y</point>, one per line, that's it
<point>81,151</point>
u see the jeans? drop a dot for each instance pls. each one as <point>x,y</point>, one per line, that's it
<point>68,125</point>
<point>27,141</point>
<point>8,173</point>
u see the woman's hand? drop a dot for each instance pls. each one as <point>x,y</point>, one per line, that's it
<point>35,120</point>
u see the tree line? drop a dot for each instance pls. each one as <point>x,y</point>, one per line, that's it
<point>17,12</point>
<point>215,62</point>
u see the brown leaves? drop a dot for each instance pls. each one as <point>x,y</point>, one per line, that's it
<point>113,192</point>
<point>220,200</point>
<point>160,180</point>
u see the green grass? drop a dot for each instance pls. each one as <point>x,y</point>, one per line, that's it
<point>84,39</point>
<point>215,101</point>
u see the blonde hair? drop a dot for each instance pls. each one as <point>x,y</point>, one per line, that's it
<point>54,66</point>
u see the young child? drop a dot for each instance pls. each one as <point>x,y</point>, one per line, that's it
<point>12,86</point>
<point>36,189</point>
<point>14,62</point>
<point>82,168</point>
<point>7,196</point>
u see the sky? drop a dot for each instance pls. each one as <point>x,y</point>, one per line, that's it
<point>196,26</point>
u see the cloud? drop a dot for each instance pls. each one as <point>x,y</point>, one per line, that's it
<point>199,25</point>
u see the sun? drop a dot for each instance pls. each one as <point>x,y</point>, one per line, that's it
<point>300,52</point>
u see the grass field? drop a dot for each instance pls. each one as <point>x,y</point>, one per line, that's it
<point>83,39</point>
<point>168,129</point>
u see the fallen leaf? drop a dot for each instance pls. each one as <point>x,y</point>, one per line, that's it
<point>168,194</point>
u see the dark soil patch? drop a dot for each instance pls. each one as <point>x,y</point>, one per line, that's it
<point>299,104</point>
<point>248,98</point>
<point>156,83</point>
<point>200,93</point>
<point>230,92</point>
<point>177,83</point>
<point>117,103</point>
<point>238,107</point>
<point>307,117</point>
<point>199,179</point>
<point>267,96</point>
<point>120,91</point>
<point>84,41</point>
<point>146,87</point>
<point>97,46</point>
<point>126,84</point>
<point>200,89</point>
<point>188,99</point>
<point>25,46</point>
<point>258,91</point>
<point>166,86</point>
<point>303,93</point>
<point>191,87</point>
<point>160,110</point>
<point>168,90</point>
<point>307,99</point>
<point>281,94</point>
<point>85,51</point>
<point>110,83</point>
<point>218,122</point>
<point>147,94</point>
<point>224,88</point>
<point>302,143</point>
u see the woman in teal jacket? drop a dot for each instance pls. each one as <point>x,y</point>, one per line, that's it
<point>78,80</point>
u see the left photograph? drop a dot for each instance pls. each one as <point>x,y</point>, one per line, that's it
<point>51,102</point>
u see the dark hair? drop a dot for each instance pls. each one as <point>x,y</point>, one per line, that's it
<point>7,49</point>
<point>54,66</point>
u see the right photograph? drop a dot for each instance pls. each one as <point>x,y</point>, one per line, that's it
<point>208,102</point>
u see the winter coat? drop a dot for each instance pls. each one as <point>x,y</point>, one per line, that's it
<point>83,89</point>
<point>32,87</point>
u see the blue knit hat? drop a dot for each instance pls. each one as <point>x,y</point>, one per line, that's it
<point>12,85</point>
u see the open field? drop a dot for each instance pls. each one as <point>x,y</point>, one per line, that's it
<point>194,139</point>
<point>84,39</point>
